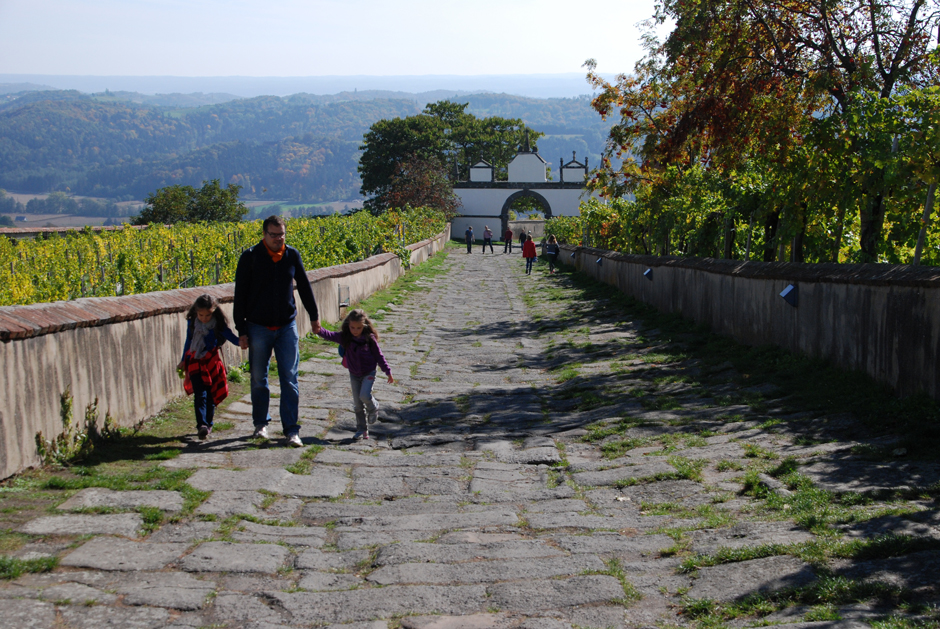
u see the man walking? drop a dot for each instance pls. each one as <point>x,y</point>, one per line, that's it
<point>469,237</point>
<point>507,241</point>
<point>265,315</point>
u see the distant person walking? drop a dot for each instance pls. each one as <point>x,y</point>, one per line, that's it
<point>487,238</point>
<point>469,237</point>
<point>265,315</point>
<point>528,252</point>
<point>552,250</point>
<point>521,238</point>
<point>361,355</point>
<point>507,241</point>
<point>206,332</point>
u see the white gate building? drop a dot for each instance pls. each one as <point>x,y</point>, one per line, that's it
<point>487,201</point>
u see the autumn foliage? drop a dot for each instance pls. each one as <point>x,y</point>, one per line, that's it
<point>799,129</point>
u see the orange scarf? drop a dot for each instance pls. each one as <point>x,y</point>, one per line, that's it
<point>276,255</point>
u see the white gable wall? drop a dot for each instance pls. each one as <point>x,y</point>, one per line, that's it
<point>527,167</point>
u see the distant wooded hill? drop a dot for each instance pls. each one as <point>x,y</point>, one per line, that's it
<point>304,147</point>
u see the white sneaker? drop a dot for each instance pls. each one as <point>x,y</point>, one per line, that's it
<point>261,432</point>
<point>294,440</point>
<point>372,417</point>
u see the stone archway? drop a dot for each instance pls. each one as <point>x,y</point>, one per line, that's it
<point>504,215</point>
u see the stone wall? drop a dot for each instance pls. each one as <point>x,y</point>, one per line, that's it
<point>537,227</point>
<point>877,318</point>
<point>124,350</point>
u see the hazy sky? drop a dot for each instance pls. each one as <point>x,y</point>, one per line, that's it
<point>317,37</point>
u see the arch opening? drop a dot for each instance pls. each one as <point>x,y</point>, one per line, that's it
<point>529,202</point>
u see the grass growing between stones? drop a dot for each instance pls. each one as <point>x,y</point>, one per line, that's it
<point>818,552</point>
<point>12,568</point>
<point>815,509</point>
<point>826,592</point>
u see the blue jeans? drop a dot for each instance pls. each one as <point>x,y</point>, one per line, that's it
<point>528,264</point>
<point>202,404</point>
<point>284,343</point>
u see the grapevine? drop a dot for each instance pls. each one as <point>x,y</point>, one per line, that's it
<point>131,261</point>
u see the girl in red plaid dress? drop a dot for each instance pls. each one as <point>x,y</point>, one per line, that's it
<point>206,331</point>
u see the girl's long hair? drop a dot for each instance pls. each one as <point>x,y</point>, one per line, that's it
<point>368,328</point>
<point>208,302</point>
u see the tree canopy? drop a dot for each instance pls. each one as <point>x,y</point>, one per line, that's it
<point>443,133</point>
<point>184,204</point>
<point>806,117</point>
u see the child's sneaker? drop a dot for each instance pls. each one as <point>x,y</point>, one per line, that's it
<point>361,434</point>
<point>204,431</point>
<point>373,417</point>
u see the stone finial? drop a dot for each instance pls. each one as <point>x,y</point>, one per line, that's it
<point>574,156</point>
<point>527,149</point>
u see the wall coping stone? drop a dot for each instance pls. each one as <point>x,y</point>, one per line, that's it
<point>826,273</point>
<point>23,322</point>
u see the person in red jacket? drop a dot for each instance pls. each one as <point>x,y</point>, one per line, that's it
<point>507,241</point>
<point>528,252</point>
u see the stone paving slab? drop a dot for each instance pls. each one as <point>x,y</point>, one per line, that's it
<point>745,534</point>
<point>916,572</point>
<point>621,474</point>
<point>409,552</point>
<point>127,524</point>
<point>612,544</point>
<point>112,553</point>
<point>329,511</point>
<point>101,497</point>
<point>77,594</point>
<point>233,557</point>
<point>365,604</point>
<point>733,581</point>
<point>432,521</point>
<point>537,595</point>
<point>171,590</point>
<point>484,571</point>
<point>225,503</point>
<point>327,582</point>
<point>871,477</point>
<point>27,614</point>
<point>100,616</point>
<point>187,460</point>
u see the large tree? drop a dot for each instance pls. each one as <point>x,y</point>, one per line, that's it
<point>745,81</point>
<point>177,204</point>
<point>421,182</point>
<point>443,133</point>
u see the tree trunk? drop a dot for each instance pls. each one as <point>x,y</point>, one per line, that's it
<point>840,226</point>
<point>750,232</point>
<point>770,232</point>
<point>871,222</point>
<point>925,222</point>
<point>796,245</point>
<point>729,238</point>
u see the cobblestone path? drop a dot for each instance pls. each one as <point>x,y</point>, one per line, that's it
<point>542,462</point>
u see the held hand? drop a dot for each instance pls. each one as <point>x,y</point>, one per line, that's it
<point>182,365</point>
<point>315,325</point>
<point>391,380</point>
<point>243,341</point>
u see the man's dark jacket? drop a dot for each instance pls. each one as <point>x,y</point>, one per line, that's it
<point>264,290</point>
